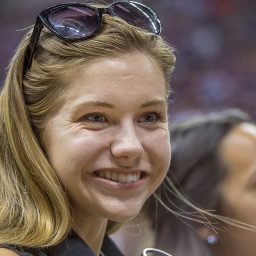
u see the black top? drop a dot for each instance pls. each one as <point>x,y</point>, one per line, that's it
<point>73,245</point>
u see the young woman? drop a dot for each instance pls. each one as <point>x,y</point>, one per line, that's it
<point>83,112</point>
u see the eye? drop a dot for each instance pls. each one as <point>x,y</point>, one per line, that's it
<point>94,117</point>
<point>151,117</point>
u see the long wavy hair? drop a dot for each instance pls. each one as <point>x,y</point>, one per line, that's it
<point>34,206</point>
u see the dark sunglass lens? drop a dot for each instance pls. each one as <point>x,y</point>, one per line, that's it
<point>74,22</point>
<point>137,15</point>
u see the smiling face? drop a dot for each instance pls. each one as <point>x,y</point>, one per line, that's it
<point>109,140</point>
<point>238,200</point>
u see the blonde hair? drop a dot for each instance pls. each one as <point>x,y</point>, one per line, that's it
<point>34,207</point>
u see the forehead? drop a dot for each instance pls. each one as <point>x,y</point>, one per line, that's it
<point>238,149</point>
<point>135,70</point>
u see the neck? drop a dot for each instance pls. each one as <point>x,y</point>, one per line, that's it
<point>92,230</point>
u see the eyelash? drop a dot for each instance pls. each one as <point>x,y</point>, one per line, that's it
<point>100,118</point>
<point>157,117</point>
<point>97,115</point>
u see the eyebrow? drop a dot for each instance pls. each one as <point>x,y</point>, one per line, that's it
<point>111,106</point>
<point>154,103</point>
<point>95,104</point>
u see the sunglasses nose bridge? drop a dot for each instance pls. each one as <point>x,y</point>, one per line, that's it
<point>103,10</point>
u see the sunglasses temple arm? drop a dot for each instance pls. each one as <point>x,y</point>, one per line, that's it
<point>30,51</point>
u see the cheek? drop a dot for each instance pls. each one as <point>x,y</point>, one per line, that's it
<point>69,155</point>
<point>165,155</point>
<point>162,147</point>
<point>243,210</point>
<point>161,152</point>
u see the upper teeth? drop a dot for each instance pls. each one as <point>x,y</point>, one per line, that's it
<point>120,177</point>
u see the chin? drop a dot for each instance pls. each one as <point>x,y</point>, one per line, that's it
<point>123,215</point>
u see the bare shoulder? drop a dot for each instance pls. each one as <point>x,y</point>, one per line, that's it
<point>7,252</point>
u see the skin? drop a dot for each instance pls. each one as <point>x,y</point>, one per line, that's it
<point>135,236</point>
<point>113,121</point>
<point>238,151</point>
<point>6,252</point>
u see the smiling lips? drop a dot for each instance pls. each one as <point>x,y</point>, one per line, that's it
<point>121,177</point>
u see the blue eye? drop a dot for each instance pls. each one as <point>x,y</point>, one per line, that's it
<point>96,117</point>
<point>151,117</point>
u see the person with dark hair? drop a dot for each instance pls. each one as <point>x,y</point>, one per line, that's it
<point>214,167</point>
<point>209,188</point>
<point>83,110</point>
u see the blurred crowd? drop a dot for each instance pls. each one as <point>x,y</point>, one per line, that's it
<point>215,42</point>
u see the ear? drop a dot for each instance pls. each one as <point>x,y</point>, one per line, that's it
<point>208,235</point>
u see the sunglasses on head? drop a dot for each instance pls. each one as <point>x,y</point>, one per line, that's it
<point>77,21</point>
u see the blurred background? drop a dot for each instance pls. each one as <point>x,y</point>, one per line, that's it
<point>215,42</point>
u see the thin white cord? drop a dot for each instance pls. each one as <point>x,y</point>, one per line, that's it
<point>151,250</point>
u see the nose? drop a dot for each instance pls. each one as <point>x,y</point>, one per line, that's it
<point>126,146</point>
